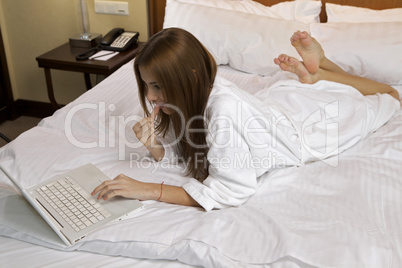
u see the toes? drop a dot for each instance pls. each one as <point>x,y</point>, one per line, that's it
<point>284,59</point>
<point>303,34</point>
<point>295,37</point>
<point>298,36</point>
<point>281,57</point>
<point>292,61</point>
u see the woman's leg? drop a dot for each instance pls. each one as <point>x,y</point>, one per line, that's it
<point>364,85</point>
<point>316,66</point>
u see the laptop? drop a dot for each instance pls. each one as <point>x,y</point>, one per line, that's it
<point>66,204</point>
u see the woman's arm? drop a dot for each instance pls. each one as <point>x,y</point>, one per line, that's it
<point>127,187</point>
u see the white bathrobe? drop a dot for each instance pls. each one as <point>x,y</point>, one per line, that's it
<point>288,124</point>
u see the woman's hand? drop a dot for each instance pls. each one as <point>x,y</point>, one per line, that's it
<point>126,187</point>
<point>145,132</point>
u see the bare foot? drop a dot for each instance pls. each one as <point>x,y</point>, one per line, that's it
<point>293,65</point>
<point>309,49</point>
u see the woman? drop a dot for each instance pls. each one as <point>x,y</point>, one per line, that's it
<point>226,137</point>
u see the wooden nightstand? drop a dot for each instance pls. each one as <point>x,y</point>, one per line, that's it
<point>63,58</point>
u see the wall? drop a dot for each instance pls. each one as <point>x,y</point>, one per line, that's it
<point>33,27</point>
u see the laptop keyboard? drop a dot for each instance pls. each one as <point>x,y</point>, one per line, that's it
<point>77,207</point>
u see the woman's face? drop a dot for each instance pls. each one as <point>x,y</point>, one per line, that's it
<point>153,91</point>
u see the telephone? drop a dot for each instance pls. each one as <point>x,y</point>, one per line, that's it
<point>115,40</point>
<point>119,40</point>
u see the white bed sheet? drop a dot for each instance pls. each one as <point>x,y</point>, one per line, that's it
<point>313,215</point>
<point>16,253</point>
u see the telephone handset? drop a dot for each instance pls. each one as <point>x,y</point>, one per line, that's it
<point>115,40</point>
<point>119,40</point>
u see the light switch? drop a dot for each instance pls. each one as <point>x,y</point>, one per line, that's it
<point>111,7</point>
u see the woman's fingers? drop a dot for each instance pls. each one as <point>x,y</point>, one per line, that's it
<point>103,188</point>
<point>120,186</point>
<point>111,193</point>
<point>111,188</point>
<point>154,113</point>
<point>143,132</point>
<point>152,135</point>
<point>145,128</point>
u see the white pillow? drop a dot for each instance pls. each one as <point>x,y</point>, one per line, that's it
<point>371,50</point>
<point>307,11</point>
<point>244,41</point>
<point>340,13</point>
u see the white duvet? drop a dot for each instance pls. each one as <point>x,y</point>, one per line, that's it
<point>347,215</point>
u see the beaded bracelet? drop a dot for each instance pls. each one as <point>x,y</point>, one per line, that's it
<point>161,191</point>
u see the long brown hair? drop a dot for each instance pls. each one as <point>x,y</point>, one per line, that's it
<point>185,71</point>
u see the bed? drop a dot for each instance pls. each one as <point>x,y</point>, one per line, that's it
<point>340,213</point>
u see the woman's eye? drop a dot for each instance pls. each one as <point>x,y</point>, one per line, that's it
<point>156,87</point>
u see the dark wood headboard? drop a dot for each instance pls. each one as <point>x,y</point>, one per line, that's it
<point>156,13</point>
<point>156,9</point>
